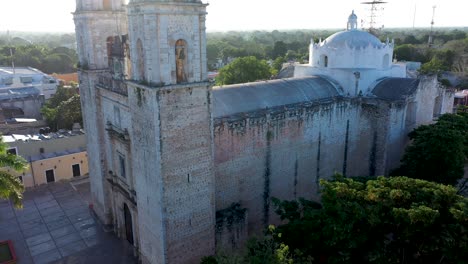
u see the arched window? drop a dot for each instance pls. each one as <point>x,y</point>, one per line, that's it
<point>106,5</point>
<point>140,61</point>
<point>437,107</point>
<point>109,45</point>
<point>324,60</point>
<point>181,60</point>
<point>386,61</point>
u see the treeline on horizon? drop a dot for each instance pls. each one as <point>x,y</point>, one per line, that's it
<point>56,52</point>
<point>48,52</point>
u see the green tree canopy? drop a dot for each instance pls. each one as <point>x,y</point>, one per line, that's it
<point>242,70</point>
<point>386,220</point>
<point>63,109</point>
<point>438,151</point>
<point>382,220</point>
<point>10,186</point>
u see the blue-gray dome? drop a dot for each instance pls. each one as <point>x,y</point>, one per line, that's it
<point>352,38</point>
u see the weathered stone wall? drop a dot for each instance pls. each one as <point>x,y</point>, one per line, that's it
<point>187,171</point>
<point>174,177</point>
<point>167,23</point>
<point>231,228</point>
<point>285,153</point>
<point>93,125</point>
<point>146,168</point>
<point>30,105</point>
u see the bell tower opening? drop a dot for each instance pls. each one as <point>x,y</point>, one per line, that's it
<point>181,60</point>
<point>106,5</point>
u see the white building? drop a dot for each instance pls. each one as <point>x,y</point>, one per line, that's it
<point>354,58</point>
<point>24,77</point>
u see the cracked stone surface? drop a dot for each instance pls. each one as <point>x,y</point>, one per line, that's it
<point>56,226</point>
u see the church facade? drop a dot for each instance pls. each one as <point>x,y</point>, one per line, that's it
<point>180,168</point>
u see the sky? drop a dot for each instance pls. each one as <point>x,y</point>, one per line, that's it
<point>243,15</point>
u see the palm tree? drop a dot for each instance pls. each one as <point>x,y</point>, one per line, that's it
<point>10,186</point>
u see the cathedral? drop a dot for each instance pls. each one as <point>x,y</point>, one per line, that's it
<point>181,169</point>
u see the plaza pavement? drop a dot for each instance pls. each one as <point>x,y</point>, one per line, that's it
<point>56,226</point>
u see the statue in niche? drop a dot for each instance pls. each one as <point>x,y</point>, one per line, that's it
<point>181,58</point>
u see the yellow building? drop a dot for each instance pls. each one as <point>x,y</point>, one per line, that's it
<point>51,158</point>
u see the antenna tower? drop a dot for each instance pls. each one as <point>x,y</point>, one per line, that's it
<point>430,42</point>
<point>11,52</point>
<point>374,10</point>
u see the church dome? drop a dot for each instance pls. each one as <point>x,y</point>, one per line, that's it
<point>353,39</point>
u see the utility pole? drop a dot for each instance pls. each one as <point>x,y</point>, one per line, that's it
<point>430,42</point>
<point>11,52</point>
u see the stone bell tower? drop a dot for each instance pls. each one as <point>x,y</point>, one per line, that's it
<point>172,140</point>
<point>95,22</point>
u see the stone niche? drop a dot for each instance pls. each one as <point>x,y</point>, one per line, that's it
<point>231,228</point>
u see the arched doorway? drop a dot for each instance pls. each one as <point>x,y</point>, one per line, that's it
<point>128,224</point>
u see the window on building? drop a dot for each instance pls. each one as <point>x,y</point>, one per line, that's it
<point>50,176</point>
<point>8,81</point>
<point>12,151</point>
<point>437,107</point>
<point>386,61</point>
<point>122,165</point>
<point>117,121</point>
<point>106,5</point>
<point>76,170</point>
<point>324,60</point>
<point>109,44</point>
<point>140,61</point>
<point>181,60</point>
<point>26,79</point>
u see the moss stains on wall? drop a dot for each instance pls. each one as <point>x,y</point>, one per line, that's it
<point>267,174</point>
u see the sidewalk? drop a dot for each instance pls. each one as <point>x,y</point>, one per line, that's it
<point>56,225</point>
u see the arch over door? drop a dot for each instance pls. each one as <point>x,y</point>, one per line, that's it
<point>128,224</point>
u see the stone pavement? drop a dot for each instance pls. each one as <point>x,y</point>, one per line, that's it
<point>56,225</point>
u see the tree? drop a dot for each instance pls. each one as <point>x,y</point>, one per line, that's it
<point>63,109</point>
<point>438,152</point>
<point>385,220</point>
<point>10,186</point>
<point>69,112</point>
<point>242,70</point>
<point>278,63</point>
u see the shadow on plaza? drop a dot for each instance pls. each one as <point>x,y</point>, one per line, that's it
<point>56,226</point>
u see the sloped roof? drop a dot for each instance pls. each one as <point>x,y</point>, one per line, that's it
<point>395,88</point>
<point>16,93</point>
<point>247,97</point>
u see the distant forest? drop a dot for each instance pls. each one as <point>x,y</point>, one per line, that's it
<point>50,53</point>
<point>56,53</point>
